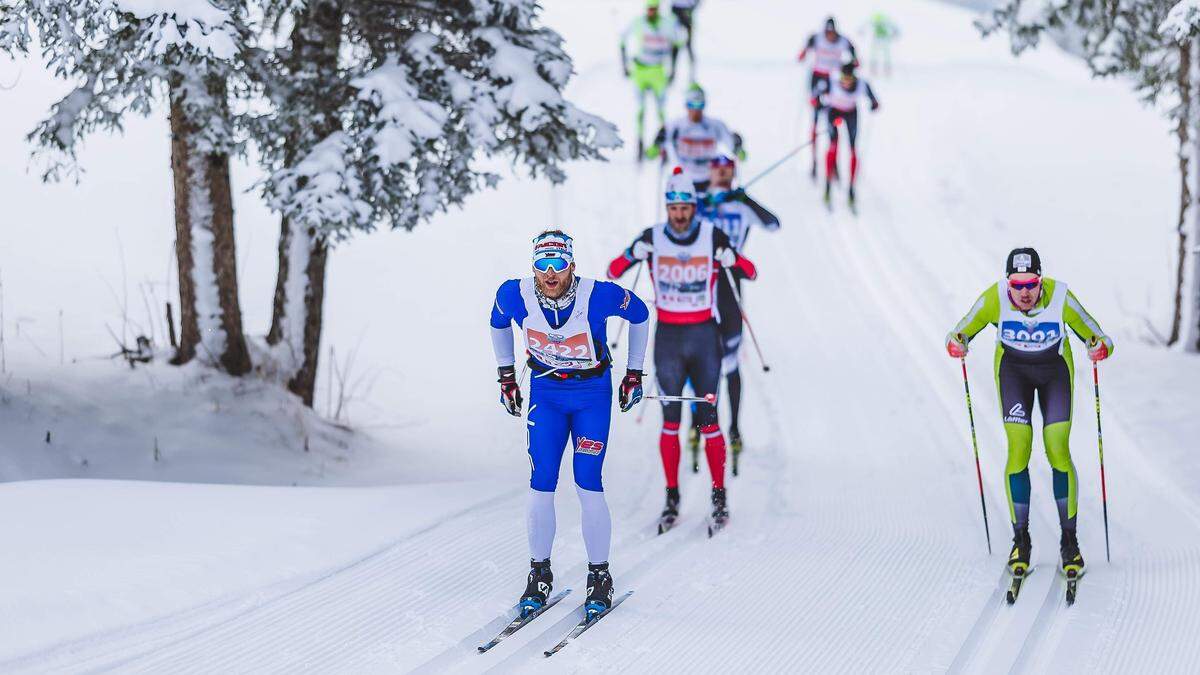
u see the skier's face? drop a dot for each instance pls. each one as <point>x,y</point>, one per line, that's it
<point>721,176</point>
<point>652,14</point>
<point>1025,289</point>
<point>695,115</point>
<point>680,216</point>
<point>554,284</point>
<point>830,34</point>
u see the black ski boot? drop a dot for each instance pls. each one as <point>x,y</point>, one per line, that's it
<point>670,512</point>
<point>541,582</point>
<point>1072,559</point>
<point>720,513</point>
<point>851,196</point>
<point>1018,559</point>
<point>600,590</point>
<point>828,193</point>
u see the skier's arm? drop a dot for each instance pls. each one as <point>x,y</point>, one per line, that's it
<point>853,52</point>
<point>727,255</point>
<point>871,95</point>
<point>986,310</point>
<point>501,323</point>
<point>812,42</point>
<point>766,219</point>
<point>639,250</point>
<point>1083,324</point>
<point>625,304</point>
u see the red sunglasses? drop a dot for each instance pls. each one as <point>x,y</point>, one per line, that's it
<point>1024,285</point>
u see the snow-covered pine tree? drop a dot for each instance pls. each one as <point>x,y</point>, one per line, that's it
<point>1154,43</point>
<point>124,55</point>
<point>381,113</point>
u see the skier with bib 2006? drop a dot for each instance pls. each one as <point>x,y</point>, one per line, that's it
<point>830,50</point>
<point>1031,314</point>
<point>654,40</point>
<point>841,106</point>
<point>685,257</point>
<point>691,142</point>
<point>561,318</point>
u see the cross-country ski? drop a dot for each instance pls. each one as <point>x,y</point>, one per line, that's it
<point>521,618</point>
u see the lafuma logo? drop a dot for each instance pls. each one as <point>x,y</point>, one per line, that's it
<point>1016,414</point>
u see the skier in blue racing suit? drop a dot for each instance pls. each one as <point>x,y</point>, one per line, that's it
<point>562,320</point>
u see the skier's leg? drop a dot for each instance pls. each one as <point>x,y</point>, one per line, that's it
<point>1055,395</point>
<point>731,338</point>
<point>641,86</point>
<point>831,155</point>
<point>590,422</point>
<point>704,366</point>
<point>669,370</point>
<point>548,430</point>
<point>1016,402</point>
<point>852,133</point>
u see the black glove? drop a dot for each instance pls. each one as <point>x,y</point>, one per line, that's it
<point>630,392</point>
<point>510,391</point>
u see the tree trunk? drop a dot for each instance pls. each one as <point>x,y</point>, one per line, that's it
<point>1184,133</point>
<point>210,314</point>
<point>1188,273</point>
<point>298,307</point>
<point>303,250</point>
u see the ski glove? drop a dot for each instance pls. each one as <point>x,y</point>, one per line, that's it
<point>510,391</point>
<point>1098,347</point>
<point>727,257</point>
<point>956,345</point>
<point>642,250</point>
<point>652,152</point>
<point>631,390</point>
<point>874,106</point>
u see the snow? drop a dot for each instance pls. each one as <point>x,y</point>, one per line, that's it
<point>204,274</point>
<point>1182,21</point>
<point>856,534</point>
<point>196,24</point>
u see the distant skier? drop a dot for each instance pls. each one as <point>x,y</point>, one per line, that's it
<point>883,32</point>
<point>1033,355</point>
<point>733,212</point>
<point>841,104</point>
<point>685,13</point>
<point>562,320</point>
<point>831,50</point>
<point>685,257</point>
<point>692,141</point>
<point>655,41</point>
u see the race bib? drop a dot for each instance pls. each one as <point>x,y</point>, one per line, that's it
<point>1030,337</point>
<point>697,148</point>
<point>683,282</point>
<point>559,351</point>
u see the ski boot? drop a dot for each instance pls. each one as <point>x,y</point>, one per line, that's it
<point>670,512</point>
<point>828,193</point>
<point>694,448</point>
<point>814,169</point>
<point>600,590</point>
<point>641,151</point>
<point>735,446</point>
<point>541,582</point>
<point>1072,559</point>
<point>850,196</point>
<point>720,514</point>
<point>1018,559</point>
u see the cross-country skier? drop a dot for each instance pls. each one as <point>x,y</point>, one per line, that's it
<point>883,32</point>
<point>830,50</point>
<point>561,318</point>
<point>685,257</point>
<point>841,104</point>
<point>692,141</point>
<point>1031,314</point>
<point>685,13</point>
<point>649,52</point>
<point>733,212</point>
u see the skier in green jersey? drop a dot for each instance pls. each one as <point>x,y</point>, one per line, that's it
<point>883,32</point>
<point>648,47</point>
<point>1031,314</point>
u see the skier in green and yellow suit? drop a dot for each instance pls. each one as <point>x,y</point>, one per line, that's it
<point>1031,314</point>
<point>655,39</point>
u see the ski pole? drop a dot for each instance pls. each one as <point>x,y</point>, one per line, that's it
<point>621,329</point>
<point>707,398</point>
<point>978,472</point>
<point>750,329</point>
<point>762,174</point>
<point>1100,443</point>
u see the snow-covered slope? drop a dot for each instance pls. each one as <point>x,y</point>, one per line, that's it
<point>856,543</point>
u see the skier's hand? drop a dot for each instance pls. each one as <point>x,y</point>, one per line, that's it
<point>625,69</point>
<point>1099,347</point>
<point>874,106</point>
<point>738,195</point>
<point>741,154</point>
<point>631,390</point>
<point>956,345</point>
<point>727,257</point>
<point>652,152</point>
<point>642,250</point>
<point>510,391</point>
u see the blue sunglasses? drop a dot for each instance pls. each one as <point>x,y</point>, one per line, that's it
<point>680,197</point>
<point>546,265</point>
